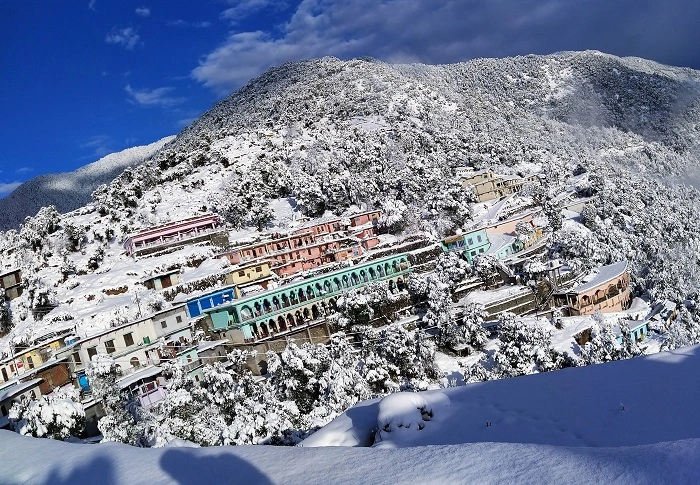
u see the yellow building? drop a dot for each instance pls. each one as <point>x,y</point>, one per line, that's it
<point>26,358</point>
<point>248,273</point>
<point>487,186</point>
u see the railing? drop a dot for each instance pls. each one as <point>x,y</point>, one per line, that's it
<point>254,318</point>
<point>176,238</point>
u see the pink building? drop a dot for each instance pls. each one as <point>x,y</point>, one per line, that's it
<point>195,229</point>
<point>606,290</point>
<point>365,218</point>
<point>321,228</point>
<point>313,245</point>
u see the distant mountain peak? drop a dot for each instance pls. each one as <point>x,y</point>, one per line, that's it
<point>68,191</point>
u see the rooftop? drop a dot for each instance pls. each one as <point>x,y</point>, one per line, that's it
<point>145,373</point>
<point>603,275</point>
<point>19,388</point>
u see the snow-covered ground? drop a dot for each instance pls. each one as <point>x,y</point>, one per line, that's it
<point>639,401</point>
<point>624,422</point>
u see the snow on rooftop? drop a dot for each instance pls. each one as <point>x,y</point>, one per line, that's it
<point>12,391</point>
<point>600,276</point>
<point>203,346</point>
<point>145,373</point>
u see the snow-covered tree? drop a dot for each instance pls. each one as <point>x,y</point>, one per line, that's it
<point>125,421</point>
<point>58,415</point>
<point>525,349</point>
<point>5,316</point>
<point>602,345</point>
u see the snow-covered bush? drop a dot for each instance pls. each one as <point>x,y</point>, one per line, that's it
<point>58,415</point>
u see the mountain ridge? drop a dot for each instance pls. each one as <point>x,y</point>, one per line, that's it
<point>70,190</point>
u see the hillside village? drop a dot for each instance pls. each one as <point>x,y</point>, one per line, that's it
<point>203,290</point>
<point>301,248</point>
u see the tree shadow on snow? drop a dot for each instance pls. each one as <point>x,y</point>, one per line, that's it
<point>98,470</point>
<point>186,467</point>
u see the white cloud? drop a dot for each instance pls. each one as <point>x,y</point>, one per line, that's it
<point>98,145</point>
<point>126,37</point>
<point>91,5</point>
<point>23,170</point>
<point>445,31</point>
<point>185,23</point>
<point>153,97</point>
<point>241,9</point>
<point>7,188</point>
<point>143,11</point>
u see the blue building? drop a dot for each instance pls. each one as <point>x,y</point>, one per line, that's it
<point>196,306</point>
<point>470,245</point>
<point>637,332</point>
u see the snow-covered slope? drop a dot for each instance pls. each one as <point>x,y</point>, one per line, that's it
<point>324,135</point>
<point>633,402</point>
<point>561,427</point>
<point>70,190</point>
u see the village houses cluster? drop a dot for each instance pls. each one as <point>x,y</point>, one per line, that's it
<point>285,285</point>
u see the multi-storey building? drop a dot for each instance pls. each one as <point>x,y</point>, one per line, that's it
<point>11,283</point>
<point>202,228</point>
<point>282,309</point>
<point>606,289</point>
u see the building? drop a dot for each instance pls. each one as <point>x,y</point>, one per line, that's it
<point>26,358</point>
<point>469,245</point>
<point>291,306</point>
<point>204,228</point>
<point>487,186</point>
<point>245,274</point>
<point>11,283</point>
<point>132,345</point>
<point>146,385</point>
<point>607,290</point>
<point>54,374</point>
<point>638,331</point>
<point>162,280</point>
<point>504,245</point>
<point>13,393</point>
<point>197,305</point>
<point>368,217</point>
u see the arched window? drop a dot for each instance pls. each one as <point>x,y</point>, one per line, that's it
<point>134,362</point>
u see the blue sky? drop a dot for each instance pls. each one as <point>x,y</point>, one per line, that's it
<point>81,79</point>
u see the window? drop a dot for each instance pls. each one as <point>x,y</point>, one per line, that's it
<point>241,273</point>
<point>109,346</point>
<point>196,378</point>
<point>163,324</point>
<point>481,250</point>
<point>92,351</point>
<point>258,269</point>
<point>189,358</point>
<point>33,394</point>
<point>470,241</point>
<point>30,362</point>
<point>129,339</point>
<point>473,253</point>
<point>178,318</point>
<point>478,238</point>
<point>76,358</point>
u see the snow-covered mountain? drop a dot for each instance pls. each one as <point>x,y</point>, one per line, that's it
<point>70,190</point>
<point>324,135</point>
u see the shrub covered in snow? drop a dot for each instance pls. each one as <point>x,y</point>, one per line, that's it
<point>58,415</point>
